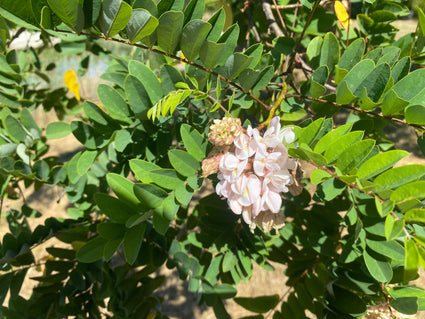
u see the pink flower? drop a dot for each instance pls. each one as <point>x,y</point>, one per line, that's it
<point>254,172</point>
<point>231,167</point>
<point>247,188</point>
<point>244,146</point>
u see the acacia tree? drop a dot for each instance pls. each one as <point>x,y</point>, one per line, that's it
<point>288,83</point>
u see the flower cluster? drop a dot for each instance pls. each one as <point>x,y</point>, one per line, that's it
<point>224,131</point>
<point>254,172</point>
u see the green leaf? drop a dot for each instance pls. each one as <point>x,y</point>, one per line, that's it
<point>401,69</point>
<point>405,305</point>
<point>193,36</point>
<point>229,261</point>
<point>7,149</point>
<point>194,142</point>
<point>123,188</point>
<point>378,268</point>
<point>351,56</point>
<point>229,38</point>
<point>87,136</point>
<point>313,52</point>
<point>411,261</point>
<point>194,10</point>
<point>183,194</point>
<point>28,122</point>
<point>169,30</point>
<point>141,169</point>
<point>110,230</point>
<point>340,144</point>
<point>393,227</point>
<point>85,162</point>
<point>318,176</point>
<point>170,76</point>
<point>258,304</point>
<point>398,176</point>
<point>211,53</point>
<point>184,163</point>
<point>329,52</point>
<point>415,215</point>
<point>255,51</point>
<point>141,24</point>
<point>57,130</point>
<point>92,250</point>
<point>372,87</point>
<point>41,169</point>
<point>415,114</point>
<point>114,16</point>
<point>217,21</point>
<point>345,90</point>
<point>324,142</point>
<point>264,78</point>
<point>400,95</point>
<point>122,139</point>
<point>15,129</point>
<point>71,168</point>
<point>91,12</point>
<point>235,64</point>
<point>137,96</point>
<point>101,121</point>
<point>305,153</point>
<point>390,249</point>
<point>169,208</point>
<point>379,163</point>
<point>309,133</point>
<point>150,195</point>
<point>149,80</point>
<point>354,155</point>
<point>133,239</point>
<point>70,12</point>
<point>111,247</point>
<point>329,189</point>
<point>114,103</point>
<point>346,301</point>
<point>165,178</point>
<point>117,210</point>
<point>160,223</point>
<point>407,192</point>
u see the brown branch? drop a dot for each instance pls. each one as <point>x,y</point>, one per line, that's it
<point>352,108</point>
<point>297,46</point>
<point>175,57</point>
<point>270,18</point>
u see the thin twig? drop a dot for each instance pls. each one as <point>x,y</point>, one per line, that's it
<point>270,19</point>
<point>175,57</point>
<point>280,18</point>
<point>294,22</point>
<point>246,5</point>
<point>286,6</point>
<point>252,26</point>
<point>297,46</point>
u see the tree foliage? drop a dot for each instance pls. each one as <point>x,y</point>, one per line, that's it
<point>355,241</point>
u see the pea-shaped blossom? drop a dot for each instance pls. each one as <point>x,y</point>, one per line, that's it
<point>254,172</point>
